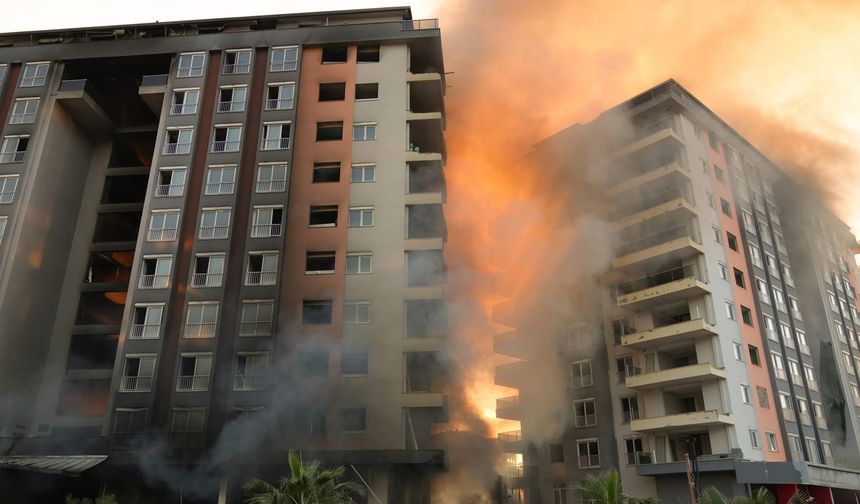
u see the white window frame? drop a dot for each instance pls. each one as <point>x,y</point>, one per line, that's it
<point>359,263</point>
<point>215,231</point>
<point>227,145</point>
<point>148,329</point>
<point>589,457</point>
<point>191,69</point>
<point>163,233</point>
<point>746,394</point>
<point>34,74</point>
<point>583,421</point>
<point>279,142</point>
<point>237,68</point>
<point>263,223</point>
<point>258,327</point>
<point>156,280</point>
<point>138,382</point>
<point>272,185</point>
<point>286,99</point>
<point>220,187</point>
<point>171,190</point>
<point>30,107</point>
<point>362,212</point>
<point>179,147</point>
<point>8,186</point>
<point>772,444</point>
<point>255,373</point>
<point>283,64</point>
<point>197,327</point>
<point>356,312</point>
<point>197,382</point>
<point>233,105</point>
<point>184,107</point>
<point>9,151</point>
<point>755,442</point>
<point>364,131</point>
<point>362,169</point>
<point>264,276</point>
<point>209,278</point>
<point>578,378</point>
<point>738,350</point>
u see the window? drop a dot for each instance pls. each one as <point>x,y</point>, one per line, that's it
<point>363,131</point>
<point>585,413</point>
<point>326,172</point>
<point>810,376</point>
<point>724,272</point>
<point>323,216</point>
<point>316,311</point>
<point>785,331</point>
<point>745,394</point>
<point>738,350</point>
<point>353,419</point>
<point>629,409</point>
<point>177,141</point>
<point>780,299</point>
<point>589,453</point>
<point>237,61</point>
<point>186,427</point>
<point>818,414</point>
<point>794,369</point>
<point>368,54</point>
<point>771,441</point>
<point>232,98</point>
<point>732,241</point>
<point>262,268</point>
<point>356,312</point>
<point>4,220</point>
<point>718,173</point>
<point>580,374</point>
<point>739,278</point>
<point>146,321</point>
<point>171,182</point>
<point>749,223</point>
<point>155,272</point>
<point>332,91</point>
<point>272,178</point>
<point>635,453</point>
<point>717,234</point>
<point>276,136</point>
<point>755,253</point>
<point>795,307</point>
<point>754,357</point>
<point>827,448</point>
<point>284,59</point>
<point>214,223</point>
<point>227,138</point>
<point>778,366</point>
<point>268,221</point>
<point>137,373</point>
<point>310,420</point>
<point>191,64</point>
<point>426,318</point>
<point>425,268</point>
<point>334,54</point>
<point>353,364</point>
<point>14,149</point>
<point>24,111</point>
<point>626,367</point>
<point>34,74</point>
<point>761,287</point>
<point>208,270</point>
<point>127,424</point>
<point>754,441</point>
<point>361,217</point>
<point>763,401</point>
<point>359,263</point>
<point>251,370</point>
<point>256,318</point>
<point>201,320</point>
<point>710,197</point>
<point>726,207</point>
<point>281,96</point>
<point>730,310</point>
<point>328,131</point>
<point>220,179</point>
<point>194,372</point>
<point>8,184</point>
<point>185,101</point>
<point>368,91</point>
<point>746,315</point>
<point>363,173</point>
<point>319,263</point>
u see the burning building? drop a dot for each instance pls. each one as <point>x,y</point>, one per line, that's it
<point>222,240</point>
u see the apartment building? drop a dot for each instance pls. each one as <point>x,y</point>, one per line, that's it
<point>222,240</point>
<point>728,316</point>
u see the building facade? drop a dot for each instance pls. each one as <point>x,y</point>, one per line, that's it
<point>222,240</point>
<point>728,315</point>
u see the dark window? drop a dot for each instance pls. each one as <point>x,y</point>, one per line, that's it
<point>718,172</point>
<point>739,278</point>
<point>334,54</point>
<point>333,91</point>
<point>316,311</point>
<point>425,267</point>
<point>125,189</point>
<point>353,364</point>
<point>556,453</point>
<point>754,355</point>
<point>368,54</point>
<point>763,401</point>
<point>313,363</point>
<point>712,140</point>
<point>319,262</point>
<point>426,177</point>
<point>733,241</point>
<point>426,318</point>
<point>425,221</point>
<point>326,172</point>
<point>746,315</point>
<point>310,420</point>
<point>83,397</point>
<point>327,131</point>
<point>369,91</point>
<point>726,206</point>
<point>92,351</point>
<point>323,216</point>
<point>353,419</point>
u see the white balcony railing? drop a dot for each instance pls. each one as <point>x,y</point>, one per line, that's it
<point>207,279</point>
<point>6,198</point>
<point>154,281</point>
<point>589,460</point>
<point>164,234</point>
<point>231,106</point>
<point>267,186</point>
<point>176,148</point>
<point>200,330</point>
<point>225,146</point>
<point>236,68</point>
<point>242,382</point>
<point>22,118</point>
<point>144,331</point>
<point>640,457</point>
<point>279,103</point>
<point>261,278</point>
<point>265,230</point>
<point>183,108</point>
<point>220,187</point>
<point>193,383</point>
<point>12,157</point>
<point>165,190</point>
<point>627,416</point>
<point>276,143</point>
<point>135,384</point>
<point>259,328</point>
<point>213,232</point>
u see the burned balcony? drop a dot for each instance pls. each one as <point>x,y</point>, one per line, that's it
<point>669,203</point>
<point>425,55</point>
<point>101,308</point>
<point>426,94</point>
<point>670,329</point>
<point>85,104</point>
<point>426,318</point>
<point>426,177</point>
<point>663,131</point>
<point>425,268</point>
<point>92,351</point>
<point>661,247</point>
<point>680,374</point>
<point>426,221</point>
<point>423,372</point>
<point>114,227</point>
<point>682,422</point>
<point>509,375</point>
<point>426,133</point>
<point>631,173</point>
<point>666,286</point>
<point>152,90</point>
<point>109,267</point>
<point>508,408</point>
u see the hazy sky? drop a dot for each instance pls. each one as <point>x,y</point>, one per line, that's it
<point>26,16</point>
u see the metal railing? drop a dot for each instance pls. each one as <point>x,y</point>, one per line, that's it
<point>242,382</point>
<point>135,384</point>
<point>640,457</point>
<point>516,435</point>
<point>261,278</point>
<point>420,24</point>
<point>589,460</point>
<point>192,383</point>
<point>581,381</point>
<point>236,68</point>
<point>183,108</point>
<point>587,420</point>
<point>154,281</point>
<point>265,230</point>
<point>628,372</point>
<point>627,416</point>
<point>12,157</point>
<point>207,279</point>
<point>220,188</point>
<point>164,190</point>
<point>199,330</point>
<point>225,146</point>
<point>231,106</point>
<point>176,148</point>
<point>664,277</point>
<point>144,331</point>
<point>163,234</point>
<point>258,328</point>
<point>805,419</point>
<point>214,232</point>
<point>685,231</point>
<point>283,66</point>
<point>71,84</point>
<point>192,71</point>
<point>154,80</point>
<point>267,186</point>
<point>652,200</point>
<point>276,143</point>
<point>508,402</point>
<point>788,414</point>
<point>7,197</point>
<point>280,103</point>
<point>22,118</point>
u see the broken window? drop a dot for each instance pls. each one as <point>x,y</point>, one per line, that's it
<point>367,91</point>
<point>316,311</point>
<point>323,216</point>
<point>332,91</point>
<point>326,172</point>
<point>319,262</point>
<point>334,54</point>
<point>328,131</point>
<point>368,54</point>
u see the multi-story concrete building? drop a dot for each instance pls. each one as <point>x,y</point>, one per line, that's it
<point>729,320</point>
<point>222,240</point>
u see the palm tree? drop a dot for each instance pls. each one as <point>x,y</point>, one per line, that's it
<point>711,495</point>
<point>606,489</point>
<point>306,484</point>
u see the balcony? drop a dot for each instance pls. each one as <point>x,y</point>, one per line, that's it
<point>509,375</point>
<point>667,286</point>
<point>669,204</point>
<point>659,132</point>
<point>261,278</point>
<point>671,334</point>
<point>673,245</point>
<point>255,329</point>
<point>508,407</point>
<point>135,384</point>
<point>152,90</point>
<point>424,400</point>
<point>200,330</point>
<point>171,149</point>
<point>12,157</point>
<point>144,331</point>
<point>192,383</point>
<point>231,106</point>
<point>84,103</point>
<point>248,383</point>
<point>279,103</point>
<point>420,24</point>
<point>225,146</point>
<point>163,234</point>
<point>214,232</point>
<point>275,144</point>
<point>682,422</point>
<point>207,279</point>
<point>673,377</point>
<point>508,344</point>
<point>153,281</point>
<point>265,230</point>
<point>167,190</point>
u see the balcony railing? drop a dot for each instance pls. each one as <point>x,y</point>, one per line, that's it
<point>265,230</point>
<point>644,131</point>
<point>420,24</point>
<point>628,372</point>
<point>587,420</point>
<point>259,328</point>
<point>280,104</point>
<point>268,186</point>
<point>231,106</point>
<point>788,414</point>
<point>220,188</point>
<point>144,331</point>
<point>627,416</point>
<point>135,384</point>
<point>6,198</point>
<point>213,232</point>
<point>243,382</point>
<point>22,118</point>
<point>183,108</point>
<point>510,436</point>
<point>652,200</point>
<point>225,146</point>
<point>165,190</point>
<point>640,457</point>
<point>641,168</point>
<point>261,278</point>
<point>276,143</point>
<point>200,330</point>
<point>12,157</point>
<point>805,419</point>
<point>164,234</point>
<point>508,402</point>
<point>207,279</point>
<point>154,281</point>
<point>685,231</point>
<point>176,148</point>
<point>664,277</point>
<point>236,68</point>
<point>589,460</point>
<point>154,80</point>
<point>192,383</point>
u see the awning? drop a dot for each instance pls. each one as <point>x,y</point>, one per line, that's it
<point>71,465</point>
